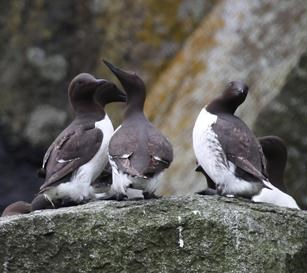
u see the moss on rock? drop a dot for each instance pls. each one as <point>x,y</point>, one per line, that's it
<point>190,234</point>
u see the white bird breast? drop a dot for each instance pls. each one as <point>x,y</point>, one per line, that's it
<point>205,143</point>
<point>211,157</point>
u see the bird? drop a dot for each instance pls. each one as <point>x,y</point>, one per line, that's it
<point>138,151</point>
<point>16,208</point>
<point>226,149</point>
<point>80,152</point>
<point>275,151</point>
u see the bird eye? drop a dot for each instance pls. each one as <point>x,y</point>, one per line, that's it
<point>231,84</point>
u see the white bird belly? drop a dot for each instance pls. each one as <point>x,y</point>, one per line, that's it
<point>121,181</point>
<point>211,157</point>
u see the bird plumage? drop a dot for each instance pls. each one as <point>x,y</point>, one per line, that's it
<point>80,153</point>
<point>225,147</point>
<point>138,152</point>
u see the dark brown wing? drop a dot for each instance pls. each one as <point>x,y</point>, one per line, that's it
<point>241,147</point>
<point>160,150</point>
<point>57,143</point>
<point>139,150</point>
<point>122,148</point>
<point>123,141</point>
<point>73,148</point>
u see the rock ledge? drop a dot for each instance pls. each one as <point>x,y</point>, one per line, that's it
<point>182,234</point>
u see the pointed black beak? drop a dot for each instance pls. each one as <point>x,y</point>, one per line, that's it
<point>109,92</point>
<point>121,95</point>
<point>123,76</point>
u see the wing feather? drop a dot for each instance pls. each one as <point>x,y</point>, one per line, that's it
<point>69,151</point>
<point>247,154</point>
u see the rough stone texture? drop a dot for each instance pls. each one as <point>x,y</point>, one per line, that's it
<point>44,44</point>
<point>287,114</point>
<point>257,41</point>
<point>186,234</point>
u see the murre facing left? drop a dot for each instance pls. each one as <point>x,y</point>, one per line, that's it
<point>275,152</point>
<point>138,152</point>
<point>225,147</point>
<point>80,153</point>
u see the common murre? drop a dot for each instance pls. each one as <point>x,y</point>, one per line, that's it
<point>275,151</point>
<point>226,149</point>
<point>80,153</point>
<point>138,152</point>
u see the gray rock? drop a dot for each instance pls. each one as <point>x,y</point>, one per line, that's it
<point>190,234</point>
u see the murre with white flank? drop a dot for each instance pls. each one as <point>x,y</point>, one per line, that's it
<point>80,153</point>
<point>275,151</point>
<point>138,152</point>
<point>226,149</point>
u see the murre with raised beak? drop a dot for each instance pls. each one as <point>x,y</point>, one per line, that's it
<point>138,152</point>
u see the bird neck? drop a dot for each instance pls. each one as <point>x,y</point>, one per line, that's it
<point>275,169</point>
<point>88,108</point>
<point>135,103</point>
<point>222,106</point>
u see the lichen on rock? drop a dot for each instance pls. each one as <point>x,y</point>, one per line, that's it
<point>186,234</point>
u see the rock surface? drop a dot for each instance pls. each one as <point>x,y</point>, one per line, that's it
<point>183,234</point>
<point>256,41</point>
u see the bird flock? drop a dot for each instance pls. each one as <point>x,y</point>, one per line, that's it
<point>89,161</point>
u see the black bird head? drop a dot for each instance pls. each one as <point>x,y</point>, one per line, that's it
<point>133,85</point>
<point>235,92</point>
<point>85,91</point>
<point>232,97</point>
<point>275,152</point>
<point>109,93</point>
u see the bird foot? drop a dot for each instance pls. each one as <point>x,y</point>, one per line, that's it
<point>150,195</point>
<point>111,196</point>
<point>134,194</point>
<point>208,191</point>
<point>230,195</point>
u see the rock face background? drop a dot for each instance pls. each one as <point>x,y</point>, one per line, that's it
<point>191,234</point>
<point>185,50</point>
